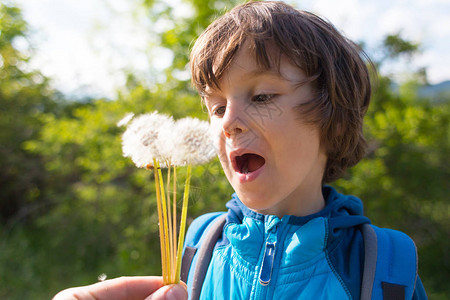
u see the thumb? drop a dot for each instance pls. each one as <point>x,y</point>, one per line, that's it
<point>170,292</point>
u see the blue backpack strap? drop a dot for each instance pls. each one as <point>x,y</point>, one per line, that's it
<point>394,271</point>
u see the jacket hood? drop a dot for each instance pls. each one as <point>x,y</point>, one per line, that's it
<point>341,211</point>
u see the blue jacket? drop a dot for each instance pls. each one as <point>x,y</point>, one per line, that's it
<point>264,257</point>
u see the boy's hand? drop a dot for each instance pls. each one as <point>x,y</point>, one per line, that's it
<point>126,288</point>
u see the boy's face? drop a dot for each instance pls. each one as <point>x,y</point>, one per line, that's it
<point>273,161</point>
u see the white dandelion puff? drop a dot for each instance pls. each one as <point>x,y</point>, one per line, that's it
<point>192,143</point>
<point>125,120</point>
<point>102,277</point>
<point>141,140</point>
<point>166,143</point>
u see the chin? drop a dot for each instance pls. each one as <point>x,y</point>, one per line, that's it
<point>255,201</point>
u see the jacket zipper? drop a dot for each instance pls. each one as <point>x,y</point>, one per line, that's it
<point>271,257</point>
<point>265,274</point>
<point>267,261</point>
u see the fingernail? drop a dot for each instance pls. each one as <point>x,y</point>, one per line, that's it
<point>177,292</point>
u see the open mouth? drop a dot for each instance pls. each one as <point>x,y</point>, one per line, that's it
<point>249,162</point>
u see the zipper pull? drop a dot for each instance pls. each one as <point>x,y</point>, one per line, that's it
<point>267,265</point>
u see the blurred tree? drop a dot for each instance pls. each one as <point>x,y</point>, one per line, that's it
<point>24,95</point>
<point>395,46</point>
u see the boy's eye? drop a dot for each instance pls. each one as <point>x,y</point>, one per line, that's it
<point>220,111</point>
<point>262,98</point>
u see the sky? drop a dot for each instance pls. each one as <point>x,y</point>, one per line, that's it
<point>85,45</point>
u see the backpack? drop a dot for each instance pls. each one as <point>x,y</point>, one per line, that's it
<point>388,272</point>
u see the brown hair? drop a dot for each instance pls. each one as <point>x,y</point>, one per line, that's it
<point>334,66</point>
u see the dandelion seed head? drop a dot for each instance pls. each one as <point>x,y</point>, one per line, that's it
<point>192,143</point>
<point>125,120</point>
<point>141,140</point>
<point>165,143</point>
<point>102,277</point>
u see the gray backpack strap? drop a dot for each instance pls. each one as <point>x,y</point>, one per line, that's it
<point>393,246</point>
<point>205,254</point>
<point>186,261</point>
<point>370,260</point>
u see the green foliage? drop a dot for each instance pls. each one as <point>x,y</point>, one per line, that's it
<point>73,208</point>
<point>395,45</point>
<point>186,29</point>
<point>24,95</point>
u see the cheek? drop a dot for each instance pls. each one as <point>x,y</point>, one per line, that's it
<point>300,142</point>
<point>218,138</point>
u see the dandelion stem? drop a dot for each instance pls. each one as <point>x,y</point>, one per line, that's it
<point>174,203</point>
<point>183,222</point>
<point>161,221</point>
<point>171,230</point>
<point>166,229</point>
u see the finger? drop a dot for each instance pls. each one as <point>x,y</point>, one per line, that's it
<point>170,292</point>
<point>115,289</point>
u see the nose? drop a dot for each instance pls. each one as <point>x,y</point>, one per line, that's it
<point>234,121</point>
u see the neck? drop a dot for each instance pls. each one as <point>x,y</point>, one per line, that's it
<point>307,203</point>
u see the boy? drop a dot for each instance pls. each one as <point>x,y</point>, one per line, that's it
<point>286,94</point>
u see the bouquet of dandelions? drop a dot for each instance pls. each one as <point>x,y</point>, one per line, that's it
<point>155,141</point>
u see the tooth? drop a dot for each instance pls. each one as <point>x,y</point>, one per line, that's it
<point>245,169</point>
